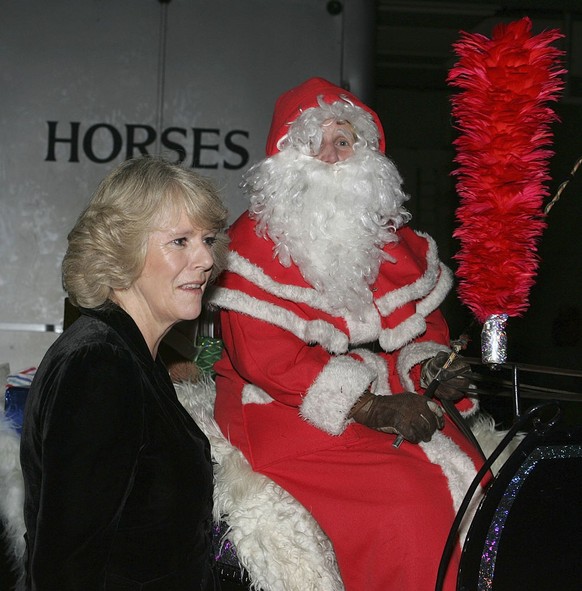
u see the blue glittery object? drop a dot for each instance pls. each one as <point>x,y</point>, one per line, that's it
<point>490,548</point>
<point>14,402</point>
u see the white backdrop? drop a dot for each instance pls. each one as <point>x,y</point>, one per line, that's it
<point>88,83</point>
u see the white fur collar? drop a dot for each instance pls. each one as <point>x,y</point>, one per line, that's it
<point>428,291</point>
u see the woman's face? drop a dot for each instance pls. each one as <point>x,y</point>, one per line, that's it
<point>177,267</point>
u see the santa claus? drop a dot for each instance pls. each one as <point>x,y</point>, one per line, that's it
<point>331,327</point>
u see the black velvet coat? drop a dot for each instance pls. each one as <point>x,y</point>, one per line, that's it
<point>118,477</point>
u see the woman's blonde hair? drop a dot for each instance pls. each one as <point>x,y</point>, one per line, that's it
<point>107,246</point>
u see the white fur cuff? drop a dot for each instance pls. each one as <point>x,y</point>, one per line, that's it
<point>329,400</point>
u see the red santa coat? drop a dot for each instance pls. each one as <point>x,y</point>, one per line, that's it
<point>292,369</point>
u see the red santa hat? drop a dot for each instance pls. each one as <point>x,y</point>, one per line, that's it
<point>310,94</point>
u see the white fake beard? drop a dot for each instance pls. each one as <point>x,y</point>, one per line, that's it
<point>332,221</point>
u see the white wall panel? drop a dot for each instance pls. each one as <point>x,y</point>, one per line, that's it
<point>90,73</point>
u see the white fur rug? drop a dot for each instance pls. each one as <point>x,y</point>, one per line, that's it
<point>276,539</point>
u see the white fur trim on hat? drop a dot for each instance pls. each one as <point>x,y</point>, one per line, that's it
<point>305,133</point>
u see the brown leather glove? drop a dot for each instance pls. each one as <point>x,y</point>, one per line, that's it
<point>414,417</point>
<point>452,381</point>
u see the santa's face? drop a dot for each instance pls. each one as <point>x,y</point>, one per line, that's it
<point>337,142</point>
<point>330,206</point>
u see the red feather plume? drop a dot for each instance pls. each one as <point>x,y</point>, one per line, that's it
<point>503,116</point>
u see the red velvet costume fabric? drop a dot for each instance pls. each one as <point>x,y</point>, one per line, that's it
<point>292,369</point>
